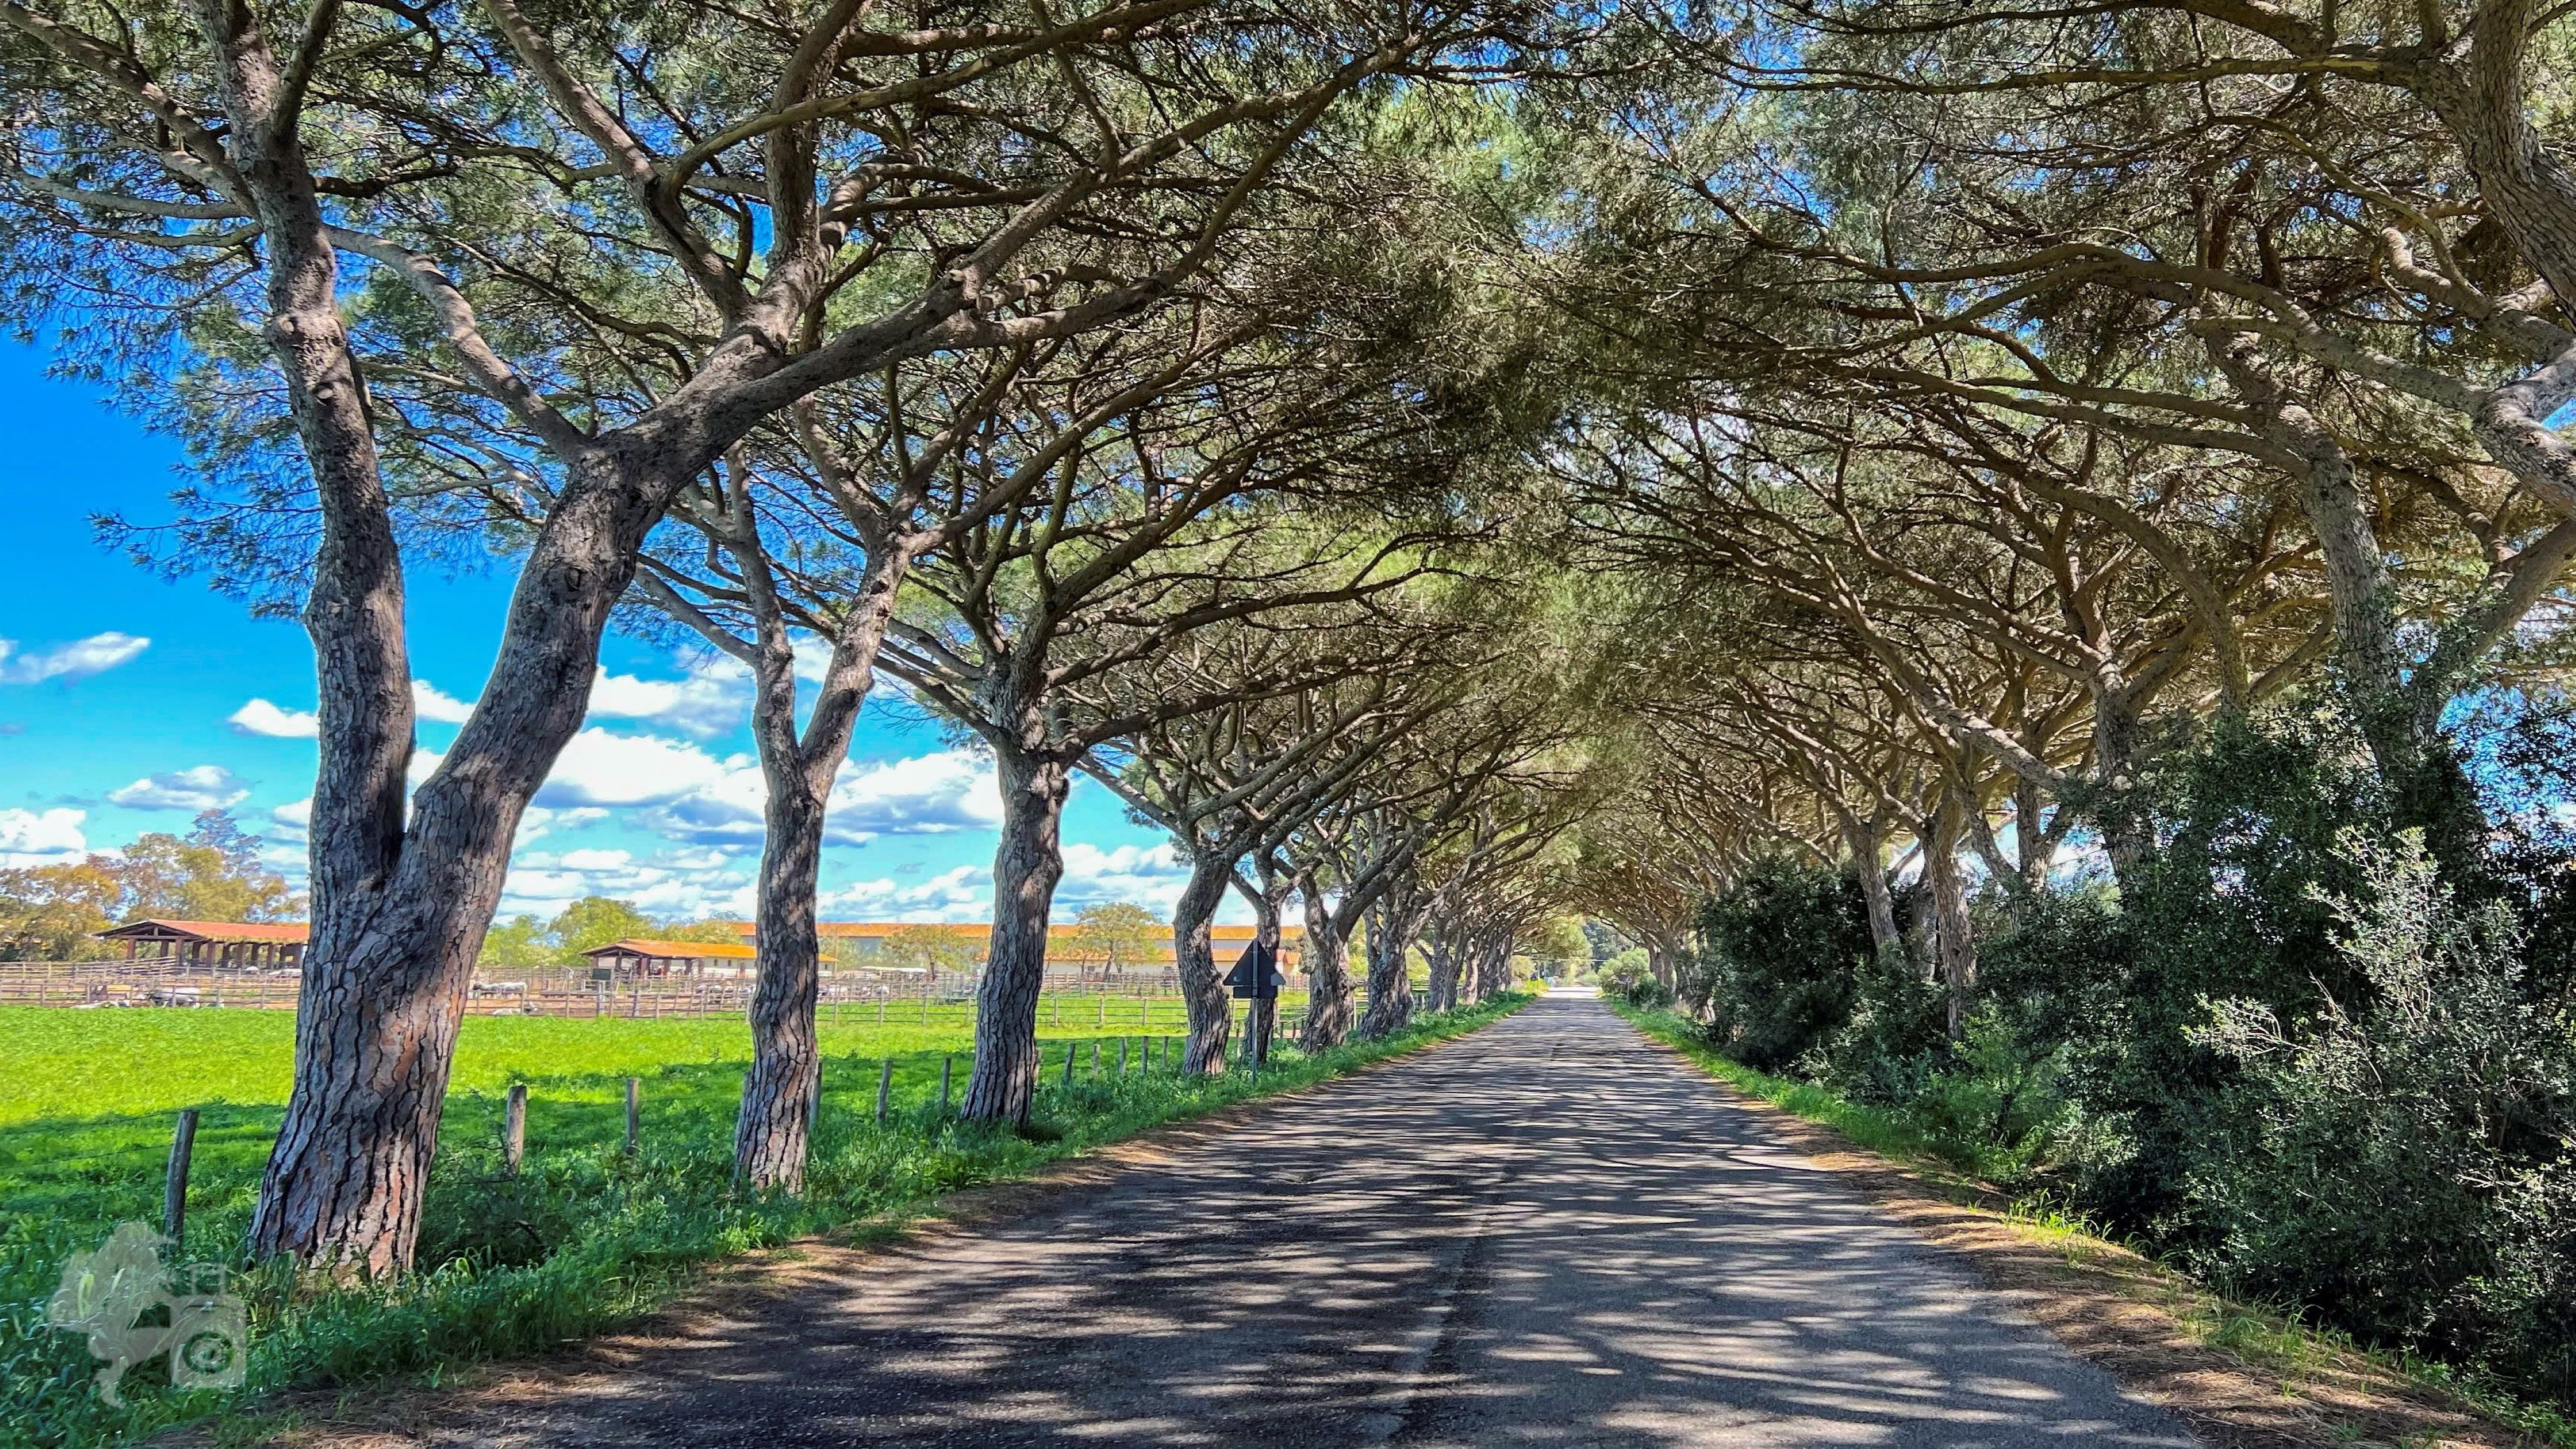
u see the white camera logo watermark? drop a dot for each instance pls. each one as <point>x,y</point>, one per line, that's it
<point>133,1309</point>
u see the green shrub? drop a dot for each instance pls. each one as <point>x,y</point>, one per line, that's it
<point>1630,977</point>
<point>2375,1122</point>
<point>1995,1104</point>
<point>2409,1155</point>
<point>1894,1039</point>
<point>1780,947</point>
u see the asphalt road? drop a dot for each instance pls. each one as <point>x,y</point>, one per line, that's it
<point>1547,1233</point>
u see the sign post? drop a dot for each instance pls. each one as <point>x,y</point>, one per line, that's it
<point>1256,978</point>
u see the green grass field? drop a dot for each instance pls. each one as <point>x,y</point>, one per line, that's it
<point>583,1238</point>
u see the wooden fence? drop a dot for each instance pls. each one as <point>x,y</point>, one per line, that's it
<point>1071,998</point>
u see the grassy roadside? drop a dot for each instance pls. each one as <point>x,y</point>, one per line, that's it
<point>2344,1391</point>
<point>587,1238</point>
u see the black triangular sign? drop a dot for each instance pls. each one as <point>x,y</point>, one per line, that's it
<point>1256,973</point>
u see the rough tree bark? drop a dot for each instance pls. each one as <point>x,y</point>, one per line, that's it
<point>1025,870</point>
<point>1494,968</point>
<point>1955,944</point>
<point>1867,850</point>
<point>799,769</point>
<point>1203,986</point>
<point>1442,948</point>
<point>1397,920</point>
<point>1328,970</point>
<point>398,915</point>
<point>1659,960</point>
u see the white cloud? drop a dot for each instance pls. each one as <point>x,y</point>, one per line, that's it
<point>41,837</point>
<point>813,657</point>
<point>928,795</point>
<point>259,717</point>
<point>78,659</point>
<point>711,697</point>
<point>199,787</point>
<point>691,884</point>
<point>436,706</point>
<point>429,704</point>
<point>1149,875</point>
<point>537,820</point>
<point>599,768</point>
<point>293,820</point>
<point>934,794</point>
<point>963,894</point>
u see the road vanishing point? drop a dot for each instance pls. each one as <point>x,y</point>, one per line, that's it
<point>1549,1232</point>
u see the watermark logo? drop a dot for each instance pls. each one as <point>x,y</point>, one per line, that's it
<point>132,1309</point>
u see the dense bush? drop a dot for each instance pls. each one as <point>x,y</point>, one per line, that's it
<point>2406,1164</point>
<point>1629,977</point>
<point>1780,948</point>
<point>2320,1052</point>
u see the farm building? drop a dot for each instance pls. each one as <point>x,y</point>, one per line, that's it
<point>246,945</point>
<point>672,958</point>
<point>863,944</point>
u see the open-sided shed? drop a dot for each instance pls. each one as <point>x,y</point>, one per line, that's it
<point>244,945</point>
<point>639,957</point>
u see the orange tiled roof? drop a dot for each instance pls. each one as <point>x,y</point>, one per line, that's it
<point>973,930</point>
<point>675,950</point>
<point>221,932</point>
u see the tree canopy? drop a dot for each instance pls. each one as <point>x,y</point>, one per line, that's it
<point>2020,556</point>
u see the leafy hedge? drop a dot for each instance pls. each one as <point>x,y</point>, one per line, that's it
<point>2317,1053</point>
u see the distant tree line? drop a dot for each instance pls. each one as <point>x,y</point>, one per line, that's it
<point>527,942</point>
<point>212,873</point>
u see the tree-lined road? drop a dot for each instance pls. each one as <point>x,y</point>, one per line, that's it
<point>1548,1233</point>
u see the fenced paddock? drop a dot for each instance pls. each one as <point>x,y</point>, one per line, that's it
<point>1141,1002</point>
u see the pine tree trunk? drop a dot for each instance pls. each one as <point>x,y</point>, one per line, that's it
<point>1390,985</point>
<point>1493,969</point>
<point>375,1026</point>
<point>2031,847</point>
<point>771,1136</point>
<point>391,959</point>
<point>1203,987</point>
<point>1328,973</point>
<point>1444,968</point>
<point>1025,871</point>
<point>1957,946</point>
<point>786,1059</point>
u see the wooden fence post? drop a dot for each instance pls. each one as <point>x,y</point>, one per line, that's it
<point>634,1113</point>
<point>885,1090</point>
<point>1095,1052</point>
<point>514,1128</point>
<point>174,1192</point>
<point>946,1065</point>
<point>1068,1063</point>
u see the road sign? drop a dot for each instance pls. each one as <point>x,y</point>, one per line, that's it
<point>1256,975</point>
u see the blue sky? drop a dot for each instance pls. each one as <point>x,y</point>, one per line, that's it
<point>128,702</point>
